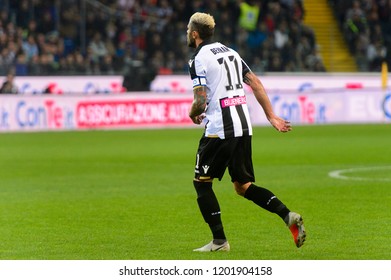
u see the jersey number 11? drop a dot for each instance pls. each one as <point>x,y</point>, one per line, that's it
<point>231,60</point>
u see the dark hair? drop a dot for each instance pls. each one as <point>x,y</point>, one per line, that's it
<point>205,31</point>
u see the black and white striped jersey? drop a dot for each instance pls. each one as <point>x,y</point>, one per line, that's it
<point>221,70</point>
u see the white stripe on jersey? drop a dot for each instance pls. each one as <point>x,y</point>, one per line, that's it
<point>221,69</point>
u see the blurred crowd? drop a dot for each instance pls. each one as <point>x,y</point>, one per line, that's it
<point>44,37</point>
<point>366,25</point>
<point>141,38</point>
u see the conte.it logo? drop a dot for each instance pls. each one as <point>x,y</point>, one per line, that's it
<point>387,105</point>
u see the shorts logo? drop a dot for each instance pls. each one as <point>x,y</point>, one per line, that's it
<point>206,168</point>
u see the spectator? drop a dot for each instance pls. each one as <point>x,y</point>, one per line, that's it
<point>31,28</point>
<point>79,63</point>
<point>34,67</point>
<point>21,65</point>
<point>47,23</point>
<point>48,64</point>
<point>255,39</point>
<point>297,11</point>
<point>8,86</point>
<point>257,65</point>
<point>70,21</point>
<point>7,58</point>
<point>30,47</point>
<point>249,14</point>
<point>23,13</point>
<point>303,50</point>
<point>314,62</point>
<point>125,4</point>
<point>354,11</point>
<point>275,64</point>
<point>67,64</point>
<point>98,48</point>
<point>376,54</point>
<point>106,66</point>
<point>355,25</point>
<point>281,35</point>
<point>361,54</point>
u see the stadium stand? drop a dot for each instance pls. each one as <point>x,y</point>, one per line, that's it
<point>366,25</point>
<point>109,36</point>
<point>144,38</point>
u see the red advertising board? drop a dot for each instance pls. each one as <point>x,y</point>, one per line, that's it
<point>133,112</point>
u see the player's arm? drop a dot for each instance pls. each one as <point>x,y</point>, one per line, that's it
<point>260,94</point>
<point>199,104</point>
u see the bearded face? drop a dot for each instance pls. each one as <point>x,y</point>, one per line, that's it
<point>190,40</point>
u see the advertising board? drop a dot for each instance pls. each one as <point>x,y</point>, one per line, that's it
<point>81,85</point>
<point>146,110</point>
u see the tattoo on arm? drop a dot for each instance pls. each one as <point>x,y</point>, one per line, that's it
<point>199,102</point>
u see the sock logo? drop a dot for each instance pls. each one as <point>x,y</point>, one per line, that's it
<point>273,197</point>
<point>206,168</point>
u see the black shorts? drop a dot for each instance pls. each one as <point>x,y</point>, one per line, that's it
<point>214,155</point>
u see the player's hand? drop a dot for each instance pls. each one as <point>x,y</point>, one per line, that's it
<point>280,124</point>
<point>198,119</point>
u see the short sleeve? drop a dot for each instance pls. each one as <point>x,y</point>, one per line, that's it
<point>197,72</point>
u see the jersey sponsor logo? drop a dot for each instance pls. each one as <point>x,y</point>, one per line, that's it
<point>239,100</point>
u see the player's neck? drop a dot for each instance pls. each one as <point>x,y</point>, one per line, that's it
<point>203,42</point>
<point>198,42</point>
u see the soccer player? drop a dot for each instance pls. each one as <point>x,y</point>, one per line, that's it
<point>218,74</point>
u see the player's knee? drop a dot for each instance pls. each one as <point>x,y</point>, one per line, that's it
<point>241,188</point>
<point>202,187</point>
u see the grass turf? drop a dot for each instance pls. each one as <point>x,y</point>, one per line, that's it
<point>129,195</point>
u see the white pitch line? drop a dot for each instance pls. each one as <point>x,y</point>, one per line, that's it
<point>337,174</point>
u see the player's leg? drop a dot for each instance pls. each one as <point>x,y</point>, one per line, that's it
<point>262,197</point>
<point>268,201</point>
<point>241,170</point>
<point>210,210</point>
<point>210,164</point>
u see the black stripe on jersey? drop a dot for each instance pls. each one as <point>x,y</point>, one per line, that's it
<point>227,122</point>
<point>192,70</point>
<point>245,69</point>
<point>239,85</point>
<point>243,120</point>
<point>221,61</point>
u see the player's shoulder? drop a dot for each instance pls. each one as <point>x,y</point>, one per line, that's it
<point>216,49</point>
<point>205,49</point>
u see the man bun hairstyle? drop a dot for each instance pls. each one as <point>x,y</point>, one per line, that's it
<point>204,24</point>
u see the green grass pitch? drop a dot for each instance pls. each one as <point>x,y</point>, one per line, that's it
<point>128,195</point>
